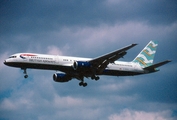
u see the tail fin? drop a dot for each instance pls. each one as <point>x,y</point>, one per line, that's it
<point>146,56</point>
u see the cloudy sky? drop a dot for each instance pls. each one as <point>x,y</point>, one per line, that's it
<point>88,28</point>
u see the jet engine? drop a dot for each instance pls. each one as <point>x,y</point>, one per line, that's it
<point>61,77</point>
<point>81,64</point>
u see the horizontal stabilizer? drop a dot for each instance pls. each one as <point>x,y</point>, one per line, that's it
<point>152,67</point>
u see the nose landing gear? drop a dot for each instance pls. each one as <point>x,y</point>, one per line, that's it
<point>25,73</point>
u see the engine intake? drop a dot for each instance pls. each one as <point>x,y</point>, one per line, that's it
<point>61,77</point>
<point>80,64</point>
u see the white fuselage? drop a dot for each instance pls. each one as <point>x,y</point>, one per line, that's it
<point>65,64</point>
<point>79,68</point>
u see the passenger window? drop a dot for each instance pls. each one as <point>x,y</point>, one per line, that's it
<point>12,56</point>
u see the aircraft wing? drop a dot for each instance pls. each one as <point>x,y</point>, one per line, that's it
<point>101,62</point>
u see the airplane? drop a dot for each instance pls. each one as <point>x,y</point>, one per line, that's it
<point>80,68</point>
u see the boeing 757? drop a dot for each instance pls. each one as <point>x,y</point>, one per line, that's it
<point>79,68</point>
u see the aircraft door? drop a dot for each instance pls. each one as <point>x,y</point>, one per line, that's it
<point>56,58</point>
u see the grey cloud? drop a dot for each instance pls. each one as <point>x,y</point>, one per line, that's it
<point>34,16</point>
<point>128,114</point>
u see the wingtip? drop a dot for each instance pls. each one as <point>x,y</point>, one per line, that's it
<point>169,60</point>
<point>134,44</point>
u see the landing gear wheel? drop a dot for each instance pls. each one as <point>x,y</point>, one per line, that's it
<point>83,84</point>
<point>97,78</point>
<point>25,76</point>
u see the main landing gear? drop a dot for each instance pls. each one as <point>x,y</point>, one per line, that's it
<point>25,73</point>
<point>95,78</point>
<point>84,84</point>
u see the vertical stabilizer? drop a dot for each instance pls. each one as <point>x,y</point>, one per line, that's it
<point>146,56</point>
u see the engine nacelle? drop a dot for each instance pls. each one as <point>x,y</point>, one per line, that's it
<point>80,64</point>
<point>61,77</point>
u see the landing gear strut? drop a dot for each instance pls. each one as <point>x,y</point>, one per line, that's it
<point>25,73</point>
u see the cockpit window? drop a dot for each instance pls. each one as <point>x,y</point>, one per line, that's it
<point>12,56</point>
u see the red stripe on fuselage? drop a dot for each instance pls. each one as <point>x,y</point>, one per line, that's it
<point>28,55</point>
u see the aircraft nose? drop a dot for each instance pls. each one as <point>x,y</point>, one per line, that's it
<point>4,61</point>
<point>8,63</point>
